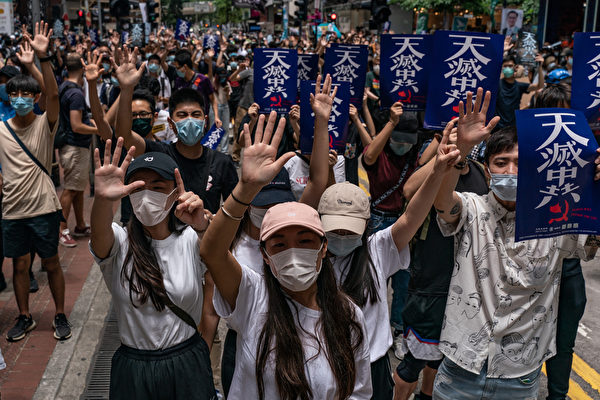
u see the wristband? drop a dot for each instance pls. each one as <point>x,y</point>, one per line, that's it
<point>460,165</point>
<point>47,58</point>
<point>239,201</point>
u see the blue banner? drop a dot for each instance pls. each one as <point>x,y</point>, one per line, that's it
<point>211,41</point>
<point>275,79</point>
<point>556,194</point>
<point>348,63</point>
<point>213,137</point>
<point>585,95</point>
<point>93,35</point>
<point>404,70</point>
<point>461,62</point>
<point>182,30</point>
<point>338,120</point>
<point>308,67</point>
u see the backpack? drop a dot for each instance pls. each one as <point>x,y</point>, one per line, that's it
<point>60,139</point>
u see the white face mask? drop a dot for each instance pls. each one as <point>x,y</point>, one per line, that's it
<point>341,246</point>
<point>150,207</point>
<point>296,269</point>
<point>257,215</point>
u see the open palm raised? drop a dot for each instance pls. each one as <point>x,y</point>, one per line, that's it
<point>109,177</point>
<point>322,100</point>
<point>471,121</point>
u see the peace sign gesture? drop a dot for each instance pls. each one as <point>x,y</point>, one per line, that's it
<point>447,154</point>
<point>190,209</point>
<point>109,177</point>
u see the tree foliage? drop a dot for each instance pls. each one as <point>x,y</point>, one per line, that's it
<point>173,11</point>
<point>226,13</point>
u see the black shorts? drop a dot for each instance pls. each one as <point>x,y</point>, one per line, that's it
<point>410,368</point>
<point>21,236</point>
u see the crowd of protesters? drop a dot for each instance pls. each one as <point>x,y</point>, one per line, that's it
<point>284,246</point>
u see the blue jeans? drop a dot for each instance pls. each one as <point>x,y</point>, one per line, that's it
<point>400,279</point>
<point>453,382</point>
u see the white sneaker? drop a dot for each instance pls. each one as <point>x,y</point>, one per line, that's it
<point>398,338</point>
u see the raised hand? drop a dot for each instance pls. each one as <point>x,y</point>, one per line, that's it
<point>353,113</point>
<point>25,54</point>
<point>447,154</point>
<point>396,112</point>
<point>507,44</point>
<point>332,160</point>
<point>471,123</point>
<point>190,209</point>
<point>41,39</point>
<point>259,161</point>
<point>127,73</point>
<point>322,100</point>
<point>109,177</point>
<point>253,111</point>
<point>294,113</point>
<point>93,69</point>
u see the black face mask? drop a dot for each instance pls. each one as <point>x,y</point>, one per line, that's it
<point>142,126</point>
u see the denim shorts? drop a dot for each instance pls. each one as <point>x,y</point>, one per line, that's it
<point>21,236</point>
<point>453,382</point>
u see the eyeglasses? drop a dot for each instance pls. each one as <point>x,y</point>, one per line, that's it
<point>143,114</point>
<point>194,114</point>
<point>21,94</point>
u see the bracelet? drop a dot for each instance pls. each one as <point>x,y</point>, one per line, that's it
<point>238,200</point>
<point>230,216</point>
<point>48,58</point>
<point>460,165</point>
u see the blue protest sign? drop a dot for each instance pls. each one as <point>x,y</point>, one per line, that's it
<point>308,67</point>
<point>556,193</point>
<point>211,41</point>
<point>404,70</point>
<point>461,62</point>
<point>585,95</point>
<point>93,35</point>
<point>182,29</point>
<point>275,79</point>
<point>213,137</point>
<point>348,63</point>
<point>338,120</point>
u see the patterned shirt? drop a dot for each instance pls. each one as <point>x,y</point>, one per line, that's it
<point>502,303</point>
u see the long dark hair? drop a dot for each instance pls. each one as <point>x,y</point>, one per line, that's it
<point>342,333</point>
<point>145,279</point>
<point>361,281</point>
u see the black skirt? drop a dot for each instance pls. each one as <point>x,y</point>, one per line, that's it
<point>179,372</point>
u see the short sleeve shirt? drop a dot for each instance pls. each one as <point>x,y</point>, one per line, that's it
<point>509,100</point>
<point>202,84</point>
<point>74,99</point>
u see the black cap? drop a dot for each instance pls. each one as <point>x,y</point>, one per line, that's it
<point>278,191</point>
<point>9,71</point>
<point>160,163</point>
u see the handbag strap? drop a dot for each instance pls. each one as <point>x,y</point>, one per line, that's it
<point>25,149</point>
<point>184,316</point>
<point>393,189</point>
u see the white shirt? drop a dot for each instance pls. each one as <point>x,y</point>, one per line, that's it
<point>503,297</point>
<point>387,260</point>
<point>144,327</point>
<point>247,252</point>
<point>247,319</point>
<point>299,171</point>
<point>161,128</point>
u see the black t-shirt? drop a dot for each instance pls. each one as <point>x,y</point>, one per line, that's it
<point>509,100</point>
<point>353,150</point>
<point>432,260</point>
<point>222,176</point>
<point>73,99</point>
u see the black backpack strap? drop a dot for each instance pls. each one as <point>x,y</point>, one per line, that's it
<point>184,316</point>
<point>25,149</point>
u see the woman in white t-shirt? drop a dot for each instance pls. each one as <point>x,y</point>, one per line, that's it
<point>300,336</point>
<point>155,275</point>
<point>363,263</point>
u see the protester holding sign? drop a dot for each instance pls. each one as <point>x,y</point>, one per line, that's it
<point>513,282</point>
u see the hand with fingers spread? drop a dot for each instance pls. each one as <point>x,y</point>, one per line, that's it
<point>93,69</point>
<point>447,154</point>
<point>471,121</point>
<point>322,100</point>
<point>190,209</point>
<point>41,39</point>
<point>508,44</point>
<point>25,54</point>
<point>127,73</point>
<point>259,162</point>
<point>109,177</point>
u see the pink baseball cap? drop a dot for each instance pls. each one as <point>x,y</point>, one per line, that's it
<point>290,214</point>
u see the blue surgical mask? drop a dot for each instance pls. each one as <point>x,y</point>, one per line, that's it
<point>504,186</point>
<point>508,72</point>
<point>148,55</point>
<point>114,81</point>
<point>3,94</point>
<point>170,58</point>
<point>400,149</point>
<point>190,130</point>
<point>233,65</point>
<point>22,105</point>
<point>106,67</point>
<point>180,74</point>
<point>341,246</point>
<point>153,68</point>
<point>61,48</point>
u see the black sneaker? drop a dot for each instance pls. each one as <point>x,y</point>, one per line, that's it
<point>24,324</point>
<point>33,285</point>
<point>62,327</point>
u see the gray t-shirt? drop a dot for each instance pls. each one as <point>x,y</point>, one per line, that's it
<point>248,91</point>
